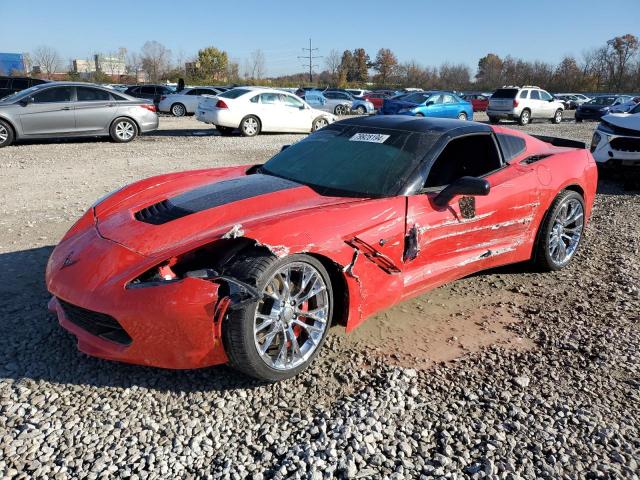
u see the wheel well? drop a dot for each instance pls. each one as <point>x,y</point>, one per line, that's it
<point>11,126</point>
<point>339,288</point>
<point>575,188</point>
<point>128,118</point>
<point>251,115</point>
<point>177,103</point>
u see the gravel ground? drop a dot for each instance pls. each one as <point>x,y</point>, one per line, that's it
<point>566,405</point>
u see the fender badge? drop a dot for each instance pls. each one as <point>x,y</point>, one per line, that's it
<point>68,261</point>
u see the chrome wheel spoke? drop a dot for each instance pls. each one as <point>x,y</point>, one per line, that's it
<point>566,231</point>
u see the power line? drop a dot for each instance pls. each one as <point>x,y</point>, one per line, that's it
<point>311,58</point>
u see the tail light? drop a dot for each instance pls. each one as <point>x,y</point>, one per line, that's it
<point>221,104</point>
<point>163,97</point>
<point>515,104</point>
<point>150,107</point>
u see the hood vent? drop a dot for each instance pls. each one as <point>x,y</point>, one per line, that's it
<point>160,213</point>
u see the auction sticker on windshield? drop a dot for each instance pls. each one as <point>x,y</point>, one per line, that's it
<point>369,137</point>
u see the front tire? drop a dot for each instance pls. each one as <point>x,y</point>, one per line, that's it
<point>250,126</point>
<point>557,117</point>
<point>178,110</point>
<point>494,120</point>
<point>340,110</point>
<point>123,130</point>
<point>462,116</point>
<point>6,134</point>
<point>561,231</point>
<point>319,123</point>
<point>525,117</point>
<point>278,335</point>
<point>361,110</point>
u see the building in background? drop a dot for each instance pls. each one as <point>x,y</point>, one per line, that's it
<point>83,66</point>
<point>113,65</point>
<point>12,63</point>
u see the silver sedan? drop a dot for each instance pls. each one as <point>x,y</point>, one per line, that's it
<point>65,109</point>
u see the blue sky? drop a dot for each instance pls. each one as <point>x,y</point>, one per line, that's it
<point>426,31</point>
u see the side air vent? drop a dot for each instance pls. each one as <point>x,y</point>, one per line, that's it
<point>534,159</point>
<point>98,324</point>
<point>160,213</point>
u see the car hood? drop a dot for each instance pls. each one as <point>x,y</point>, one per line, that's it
<point>190,208</point>
<point>393,106</point>
<point>622,120</point>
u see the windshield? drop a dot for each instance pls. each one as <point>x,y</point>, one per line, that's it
<point>602,101</point>
<point>23,93</point>
<point>353,161</point>
<point>505,93</point>
<point>419,97</point>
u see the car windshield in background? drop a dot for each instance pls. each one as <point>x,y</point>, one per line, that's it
<point>602,101</point>
<point>23,93</point>
<point>353,161</point>
<point>234,93</point>
<point>505,93</point>
<point>416,97</point>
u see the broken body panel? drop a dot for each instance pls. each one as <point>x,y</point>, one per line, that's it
<point>384,249</point>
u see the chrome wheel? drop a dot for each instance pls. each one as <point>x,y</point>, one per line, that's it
<point>292,316</point>
<point>558,117</point>
<point>566,231</point>
<point>320,123</point>
<point>4,134</point>
<point>250,127</point>
<point>524,118</point>
<point>341,110</point>
<point>125,130</point>
<point>361,110</point>
<point>462,116</point>
<point>178,110</point>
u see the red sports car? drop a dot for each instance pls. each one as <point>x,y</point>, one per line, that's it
<point>250,265</point>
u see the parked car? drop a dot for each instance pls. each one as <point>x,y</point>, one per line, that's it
<point>524,104</point>
<point>9,85</point>
<point>150,92</point>
<point>478,101</point>
<point>357,92</point>
<point>376,98</point>
<point>186,101</point>
<point>257,109</point>
<point>337,99</point>
<point>428,104</point>
<point>626,106</point>
<point>578,98</point>
<point>599,106</point>
<point>567,101</point>
<point>67,109</point>
<point>616,141</point>
<point>250,265</point>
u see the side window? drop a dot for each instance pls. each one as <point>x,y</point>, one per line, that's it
<point>135,90</point>
<point>51,95</point>
<point>535,95</point>
<point>20,83</point>
<point>4,83</point>
<point>193,91</point>
<point>511,145</point>
<point>435,99</point>
<point>290,101</point>
<point>270,99</point>
<point>255,99</point>
<point>545,95</point>
<point>330,95</point>
<point>86,94</point>
<point>524,93</point>
<point>207,91</point>
<point>473,155</point>
<point>148,90</point>
<point>342,96</point>
<point>448,99</point>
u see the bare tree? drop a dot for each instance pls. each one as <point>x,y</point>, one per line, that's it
<point>257,64</point>
<point>155,59</point>
<point>332,62</point>
<point>47,58</point>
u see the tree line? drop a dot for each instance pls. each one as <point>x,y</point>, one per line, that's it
<point>612,67</point>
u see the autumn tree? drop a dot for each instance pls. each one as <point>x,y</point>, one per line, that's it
<point>213,63</point>
<point>621,50</point>
<point>361,63</point>
<point>347,67</point>
<point>386,65</point>
<point>489,71</point>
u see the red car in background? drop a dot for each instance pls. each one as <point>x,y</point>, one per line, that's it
<point>479,101</point>
<point>376,98</point>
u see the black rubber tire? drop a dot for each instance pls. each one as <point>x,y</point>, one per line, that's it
<point>314,125</point>
<point>555,117</point>
<point>494,120</point>
<point>525,119</point>
<point>420,115</point>
<point>10,135</point>
<point>462,116</point>
<point>242,130</point>
<point>255,268</point>
<point>578,120</point>
<point>541,257</point>
<point>184,110</point>
<point>116,122</point>
<point>361,110</point>
<point>224,131</point>
<point>340,110</point>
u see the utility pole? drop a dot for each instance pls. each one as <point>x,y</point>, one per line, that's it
<point>311,58</point>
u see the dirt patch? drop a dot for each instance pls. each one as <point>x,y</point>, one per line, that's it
<point>440,327</point>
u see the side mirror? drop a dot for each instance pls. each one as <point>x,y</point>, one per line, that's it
<point>284,147</point>
<point>26,101</point>
<point>462,186</point>
<point>428,104</point>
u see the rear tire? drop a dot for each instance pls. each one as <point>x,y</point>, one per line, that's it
<point>6,134</point>
<point>178,110</point>
<point>340,110</point>
<point>494,120</point>
<point>420,115</point>
<point>319,123</point>
<point>361,110</point>
<point>555,231</point>
<point>578,120</point>
<point>123,130</point>
<point>243,329</point>
<point>525,117</point>
<point>250,126</point>
<point>462,116</point>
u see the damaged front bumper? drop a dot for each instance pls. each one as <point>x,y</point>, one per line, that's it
<point>175,325</point>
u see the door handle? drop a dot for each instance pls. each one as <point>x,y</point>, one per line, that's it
<point>66,108</point>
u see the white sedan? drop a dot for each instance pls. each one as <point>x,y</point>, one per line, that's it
<point>186,101</point>
<point>258,109</point>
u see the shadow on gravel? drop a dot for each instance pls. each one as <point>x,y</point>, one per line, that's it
<point>184,132</point>
<point>33,345</point>
<point>53,141</point>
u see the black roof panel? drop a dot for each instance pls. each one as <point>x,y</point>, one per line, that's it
<point>420,125</point>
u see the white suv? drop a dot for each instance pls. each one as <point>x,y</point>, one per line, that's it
<point>523,104</point>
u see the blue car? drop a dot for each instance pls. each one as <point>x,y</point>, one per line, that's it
<point>428,104</point>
